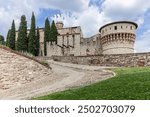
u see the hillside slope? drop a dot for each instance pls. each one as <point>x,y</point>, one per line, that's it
<point>16,70</point>
<point>24,78</point>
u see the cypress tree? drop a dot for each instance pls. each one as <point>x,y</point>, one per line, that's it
<point>8,38</point>
<point>1,40</point>
<point>22,42</point>
<point>46,35</point>
<point>11,43</point>
<point>32,42</point>
<point>54,32</point>
<point>37,42</point>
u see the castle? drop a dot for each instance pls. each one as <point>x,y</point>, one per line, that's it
<point>114,38</point>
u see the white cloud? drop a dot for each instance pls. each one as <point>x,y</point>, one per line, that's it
<point>13,9</point>
<point>126,9</point>
<point>78,12</point>
<point>143,44</point>
<point>67,5</point>
<point>90,20</point>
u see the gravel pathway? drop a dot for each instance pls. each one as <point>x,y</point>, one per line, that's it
<point>13,84</point>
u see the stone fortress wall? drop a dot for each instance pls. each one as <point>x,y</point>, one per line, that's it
<point>113,60</point>
<point>114,38</point>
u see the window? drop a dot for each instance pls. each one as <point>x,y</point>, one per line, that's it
<point>67,40</point>
<point>73,39</point>
<point>131,27</point>
<point>115,27</point>
<point>102,31</point>
<point>63,40</point>
<point>121,27</point>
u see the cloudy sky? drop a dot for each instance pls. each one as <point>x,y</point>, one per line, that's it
<point>89,14</point>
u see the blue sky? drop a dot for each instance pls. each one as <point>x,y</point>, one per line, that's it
<point>89,14</point>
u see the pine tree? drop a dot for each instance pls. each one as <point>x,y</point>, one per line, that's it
<point>22,42</point>
<point>54,32</point>
<point>32,37</point>
<point>46,35</point>
<point>37,42</point>
<point>12,36</point>
<point>8,38</point>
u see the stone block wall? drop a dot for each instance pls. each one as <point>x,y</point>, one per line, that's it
<point>118,60</point>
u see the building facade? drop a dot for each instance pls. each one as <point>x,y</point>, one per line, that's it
<point>113,38</point>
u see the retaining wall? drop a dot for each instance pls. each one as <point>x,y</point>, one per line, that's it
<point>118,60</point>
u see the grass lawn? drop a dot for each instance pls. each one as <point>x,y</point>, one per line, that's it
<point>129,83</point>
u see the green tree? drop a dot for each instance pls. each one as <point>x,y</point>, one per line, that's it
<point>1,40</point>
<point>8,38</point>
<point>32,37</point>
<point>46,35</point>
<point>22,41</point>
<point>54,32</point>
<point>12,36</point>
<point>37,42</point>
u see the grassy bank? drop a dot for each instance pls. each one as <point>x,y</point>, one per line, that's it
<point>129,83</point>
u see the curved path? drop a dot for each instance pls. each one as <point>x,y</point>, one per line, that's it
<point>64,76</point>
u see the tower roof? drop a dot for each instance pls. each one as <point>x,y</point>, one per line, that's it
<point>130,22</point>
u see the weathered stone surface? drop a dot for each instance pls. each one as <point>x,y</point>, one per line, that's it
<point>16,70</point>
<point>121,60</point>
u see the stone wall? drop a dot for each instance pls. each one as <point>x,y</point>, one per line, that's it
<point>119,60</point>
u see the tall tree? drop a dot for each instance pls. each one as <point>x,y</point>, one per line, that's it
<point>37,42</point>
<point>46,35</point>
<point>32,37</point>
<point>8,38</point>
<point>54,32</point>
<point>1,40</point>
<point>22,42</point>
<point>12,36</point>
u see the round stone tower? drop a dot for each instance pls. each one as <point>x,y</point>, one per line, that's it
<point>118,37</point>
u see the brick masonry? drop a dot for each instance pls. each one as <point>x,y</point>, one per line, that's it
<point>118,60</point>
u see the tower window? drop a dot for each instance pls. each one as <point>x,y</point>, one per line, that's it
<point>115,27</point>
<point>102,31</point>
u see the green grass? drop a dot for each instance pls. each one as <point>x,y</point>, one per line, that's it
<point>129,83</point>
